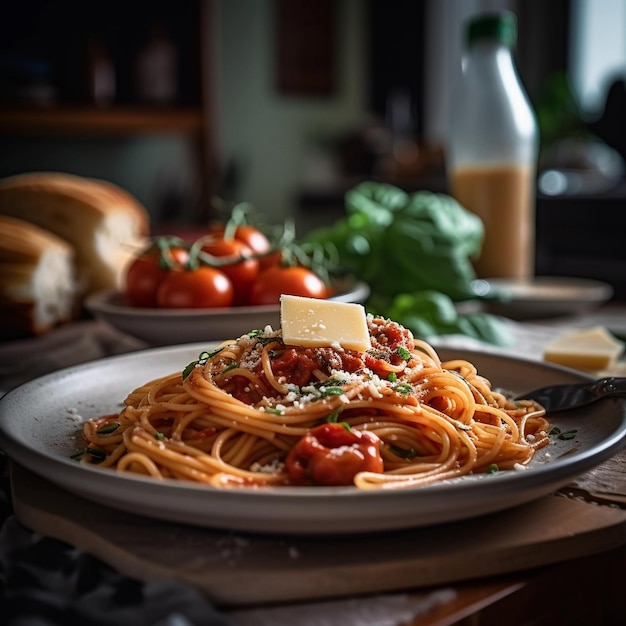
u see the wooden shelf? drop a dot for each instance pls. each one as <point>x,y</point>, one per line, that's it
<point>98,120</point>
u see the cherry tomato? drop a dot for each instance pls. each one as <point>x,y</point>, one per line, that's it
<point>270,259</point>
<point>332,455</point>
<point>241,273</point>
<point>146,272</point>
<point>205,287</point>
<point>255,239</point>
<point>295,281</point>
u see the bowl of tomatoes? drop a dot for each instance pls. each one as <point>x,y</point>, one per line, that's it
<point>218,286</point>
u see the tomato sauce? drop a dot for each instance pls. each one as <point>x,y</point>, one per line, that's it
<point>332,454</point>
<point>297,365</point>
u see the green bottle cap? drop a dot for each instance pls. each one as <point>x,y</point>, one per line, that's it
<point>497,27</point>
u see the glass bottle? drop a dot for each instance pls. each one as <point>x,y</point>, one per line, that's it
<point>157,80</point>
<point>101,72</point>
<point>492,148</point>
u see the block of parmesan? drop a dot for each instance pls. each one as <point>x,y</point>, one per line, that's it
<point>591,349</point>
<point>37,279</point>
<point>104,224</point>
<point>315,323</point>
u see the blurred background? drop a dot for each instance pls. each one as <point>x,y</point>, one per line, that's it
<point>286,104</point>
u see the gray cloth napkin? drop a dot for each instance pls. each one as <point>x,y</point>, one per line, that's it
<point>68,345</point>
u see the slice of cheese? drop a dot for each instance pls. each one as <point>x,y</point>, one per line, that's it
<point>315,323</point>
<point>591,349</point>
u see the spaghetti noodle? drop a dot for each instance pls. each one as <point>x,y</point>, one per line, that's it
<point>257,412</point>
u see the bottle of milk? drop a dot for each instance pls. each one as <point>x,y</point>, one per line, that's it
<point>492,148</point>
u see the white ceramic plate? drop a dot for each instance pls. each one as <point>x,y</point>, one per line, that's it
<point>163,327</point>
<point>39,422</point>
<point>543,296</point>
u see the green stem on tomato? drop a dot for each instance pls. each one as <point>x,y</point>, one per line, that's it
<point>164,245</point>
<point>238,217</point>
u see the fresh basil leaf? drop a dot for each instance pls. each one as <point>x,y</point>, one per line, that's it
<point>415,251</point>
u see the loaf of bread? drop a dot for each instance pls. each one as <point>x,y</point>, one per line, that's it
<point>38,287</point>
<point>104,224</point>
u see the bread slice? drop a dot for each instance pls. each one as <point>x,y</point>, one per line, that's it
<point>105,224</point>
<point>38,285</point>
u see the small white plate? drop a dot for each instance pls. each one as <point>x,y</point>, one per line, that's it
<point>40,422</point>
<point>162,327</point>
<point>543,296</point>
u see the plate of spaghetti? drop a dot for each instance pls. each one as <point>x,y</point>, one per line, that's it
<point>252,434</point>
